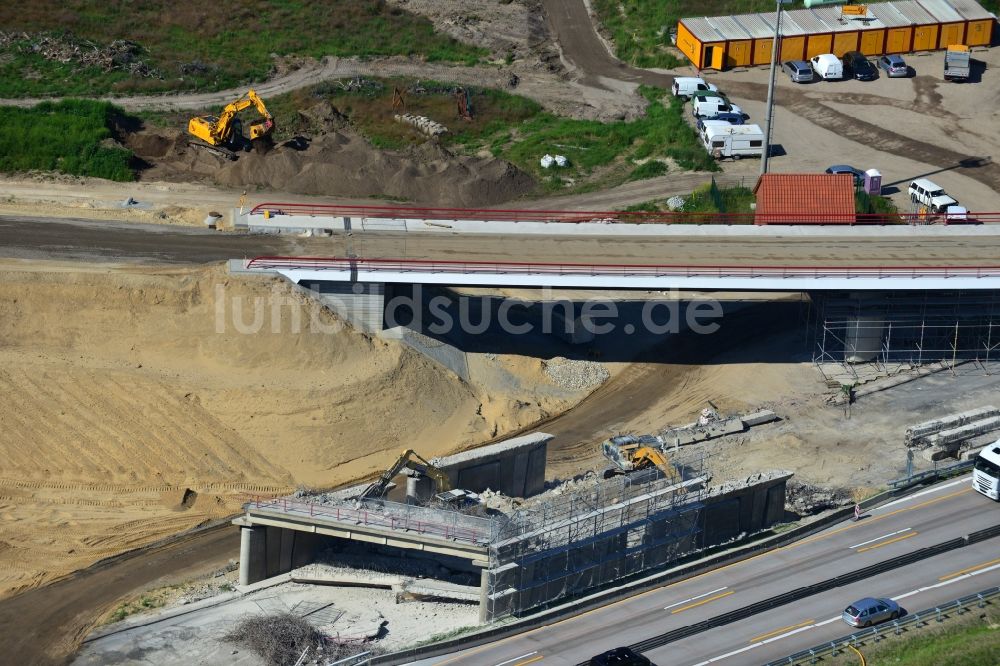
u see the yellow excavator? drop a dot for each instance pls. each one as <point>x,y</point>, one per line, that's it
<point>224,135</point>
<point>406,459</point>
<point>630,454</point>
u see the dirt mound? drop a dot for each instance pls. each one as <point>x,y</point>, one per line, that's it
<point>339,163</point>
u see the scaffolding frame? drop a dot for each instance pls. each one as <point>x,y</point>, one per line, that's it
<point>594,537</point>
<point>907,328</point>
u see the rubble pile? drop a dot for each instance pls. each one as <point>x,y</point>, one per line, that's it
<point>121,54</point>
<point>576,375</point>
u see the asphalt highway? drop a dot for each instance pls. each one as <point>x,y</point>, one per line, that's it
<point>935,515</point>
<point>48,238</point>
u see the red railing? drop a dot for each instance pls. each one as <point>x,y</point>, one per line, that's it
<point>620,270</point>
<point>577,217</point>
<point>371,518</point>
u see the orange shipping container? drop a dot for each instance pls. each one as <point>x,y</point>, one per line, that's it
<point>952,33</point>
<point>792,48</point>
<point>979,33</point>
<point>871,42</point>
<point>762,51</point>
<point>738,54</point>
<point>818,44</point>
<point>925,37</point>
<point>897,40</point>
<point>844,42</point>
<point>689,45</point>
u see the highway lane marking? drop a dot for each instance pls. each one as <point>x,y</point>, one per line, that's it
<point>865,543</point>
<point>691,599</point>
<point>757,639</point>
<point>530,661</point>
<point>837,617</point>
<point>972,568</point>
<point>886,543</point>
<point>874,519</point>
<point>909,498</point>
<point>703,601</point>
<point>533,652</point>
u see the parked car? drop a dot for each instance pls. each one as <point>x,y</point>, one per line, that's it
<point>859,175</point>
<point>894,66</point>
<point>868,611</point>
<point>710,107</point>
<point>722,118</point>
<point>686,86</point>
<point>930,194</point>
<point>799,71</point>
<point>827,66</point>
<point>620,657</point>
<point>859,67</point>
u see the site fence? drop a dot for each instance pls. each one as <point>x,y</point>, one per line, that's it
<point>933,474</point>
<point>272,209</point>
<point>912,622</point>
<point>450,525</point>
<point>362,659</point>
<point>623,270</point>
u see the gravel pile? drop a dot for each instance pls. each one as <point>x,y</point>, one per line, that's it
<point>575,375</point>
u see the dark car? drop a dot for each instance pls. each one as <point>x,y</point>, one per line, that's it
<point>859,175</point>
<point>731,118</point>
<point>894,66</point>
<point>858,66</point>
<point>620,657</point>
<point>868,611</point>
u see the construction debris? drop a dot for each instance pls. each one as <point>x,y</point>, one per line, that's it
<point>429,127</point>
<point>711,426</point>
<point>948,436</point>
<point>121,54</point>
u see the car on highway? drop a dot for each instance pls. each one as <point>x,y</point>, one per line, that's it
<point>870,610</point>
<point>621,656</point>
<point>893,65</point>
<point>856,65</point>
<point>799,71</point>
<point>859,175</point>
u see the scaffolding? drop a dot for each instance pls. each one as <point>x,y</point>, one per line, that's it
<point>594,537</point>
<point>907,328</point>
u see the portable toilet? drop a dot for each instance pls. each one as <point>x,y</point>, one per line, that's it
<point>873,182</point>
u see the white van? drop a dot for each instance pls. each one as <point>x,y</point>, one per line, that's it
<point>710,107</point>
<point>927,193</point>
<point>686,86</point>
<point>828,66</point>
<point>986,473</point>
<point>735,141</point>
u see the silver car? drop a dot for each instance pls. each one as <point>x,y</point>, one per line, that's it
<point>868,611</point>
<point>799,71</point>
<point>893,66</point>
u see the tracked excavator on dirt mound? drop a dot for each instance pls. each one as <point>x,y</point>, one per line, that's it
<point>630,453</point>
<point>410,460</point>
<point>224,134</point>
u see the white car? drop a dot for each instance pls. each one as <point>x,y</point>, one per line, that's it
<point>687,86</point>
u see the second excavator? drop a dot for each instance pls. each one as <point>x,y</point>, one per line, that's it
<point>224,134</point>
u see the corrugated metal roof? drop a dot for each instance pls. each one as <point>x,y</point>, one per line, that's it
<point>729,27</point>
<point>702,30</point>
<point>809,22</point>
<point>912,10</point>
<point>757,26</point>
<point>819,197</point>
<point>789,28</point>
<point>942,11</point>
<point>831,16</point>
<point>889,15</point>
<point>970,9</point>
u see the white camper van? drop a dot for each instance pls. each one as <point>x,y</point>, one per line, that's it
<point>735,141</point>
<point>828,66</point>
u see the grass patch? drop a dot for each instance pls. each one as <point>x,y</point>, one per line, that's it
<point>964,642</point>
<point>198,45</point>
<point>711,198</point>
<point>650,169</point>
<point>72,137</point>
<point>869,204</point>
<point>641,29</point>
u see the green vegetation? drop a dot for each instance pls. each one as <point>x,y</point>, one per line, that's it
<point>148,601</point>
<point>71,136</point>
<point>711,198</point>
<point>198,45</point>
<point>641,29</point>
<point>965,643</point>
<point>876,205</point>
<point>507,126</point>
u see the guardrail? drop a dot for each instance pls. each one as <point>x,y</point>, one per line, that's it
<point>935,474</point>
<point>272,209</point>
<point>361,516</point>
<point>617,270</point>
<point>913,621</point>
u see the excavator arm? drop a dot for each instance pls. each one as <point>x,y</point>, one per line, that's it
<point>218,130</point>
<point>405,459</point>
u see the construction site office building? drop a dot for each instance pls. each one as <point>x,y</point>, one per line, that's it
<point>904,26</point>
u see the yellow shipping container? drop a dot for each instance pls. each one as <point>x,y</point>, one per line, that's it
<point>844,42</point>
<point>792,48</point>
<point>872,42</point>
<point>817,44</point>
<point>897,40</point>
<point>951,33</point>
<point>738,53</point>
<point>689,45</point>
<point>762,51</point>
<point>979,33</point>
<point>925,37</point>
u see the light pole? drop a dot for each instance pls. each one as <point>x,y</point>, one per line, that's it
<point>775,53</point>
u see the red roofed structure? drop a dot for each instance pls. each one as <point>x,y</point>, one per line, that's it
<point>805,198</point>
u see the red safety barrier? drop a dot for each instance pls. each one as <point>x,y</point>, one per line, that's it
<point>608,217</point>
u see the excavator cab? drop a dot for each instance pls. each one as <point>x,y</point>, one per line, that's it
<point>224,134</point>
<point>631,453</point>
